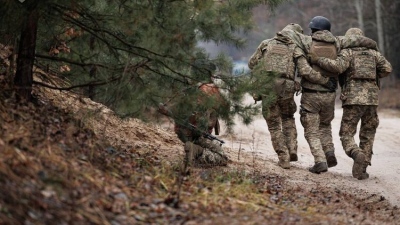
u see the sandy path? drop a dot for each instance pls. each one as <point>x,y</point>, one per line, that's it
<point>384,172</point>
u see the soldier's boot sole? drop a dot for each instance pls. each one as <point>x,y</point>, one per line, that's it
<point>358,165</point>
<point>319,168</point>
<point>284,164</point>
<point>331,159</point>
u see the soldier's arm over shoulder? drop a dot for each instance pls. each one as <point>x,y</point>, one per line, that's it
<point>253,61</point>
<point>353,41</point>
<point>305,70</point>
<point>338,65</point>
<point>383,67</point>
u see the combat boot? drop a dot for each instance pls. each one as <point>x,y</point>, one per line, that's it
<point>284,164</point>
<point>293,157</point>
<point>331,158</point>
<point>364,175</point>
<point>359,165</point>
<point>319,168</point>
<point>189,153</point>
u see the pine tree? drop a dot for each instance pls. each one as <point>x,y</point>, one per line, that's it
<point>130,55</point>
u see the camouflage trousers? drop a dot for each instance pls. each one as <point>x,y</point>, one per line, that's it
<point>317,111</point>
<point>352,114</point>
<point>281,125</point>
<point>204,152</point>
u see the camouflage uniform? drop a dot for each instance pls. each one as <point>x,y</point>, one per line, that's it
<point>280,114</point>
<point>201,151</point>
<point>317,101</point>
<point>204,152</point>
<point>360,68</point>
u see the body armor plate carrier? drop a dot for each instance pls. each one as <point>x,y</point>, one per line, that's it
<point>327,50</point>
<point>279,58</point>
<point>364,65</point>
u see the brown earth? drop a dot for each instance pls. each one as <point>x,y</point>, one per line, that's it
<point>384,172</point>
<point>69,160</point>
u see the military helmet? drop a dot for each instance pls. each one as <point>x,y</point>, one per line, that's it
<point>320,23</point>
<point>295,27</point>
<point>354,31</point>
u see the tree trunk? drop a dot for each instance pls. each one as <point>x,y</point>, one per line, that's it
<point>359,9</point>
<point>93,70</point>
<point>26,55</point>
<point>379,26</point>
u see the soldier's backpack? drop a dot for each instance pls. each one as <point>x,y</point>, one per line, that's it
<point>363,65</point>
<point>323,49</point>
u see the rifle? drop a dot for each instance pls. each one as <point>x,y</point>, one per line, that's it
<point>206,135</point>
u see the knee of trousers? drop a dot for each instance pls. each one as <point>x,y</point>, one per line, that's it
<point>309,120</point>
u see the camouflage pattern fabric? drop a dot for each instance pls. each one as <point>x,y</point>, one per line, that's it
<point>352,114</point>
<point>280,115</point>
<point>281,125</point>
<point>316,115</point>
<point>317,108</point>
<point>357,91</point>
<point>304,42</point>
<point>257,55</point>
<point>319,36</point>
<point>204,152</point>
<point>359,94</point>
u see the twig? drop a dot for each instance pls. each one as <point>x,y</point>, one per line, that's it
<point>240,145</point>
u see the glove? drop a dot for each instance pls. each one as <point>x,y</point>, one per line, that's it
<point>313,58</point>
<point>331,84</point>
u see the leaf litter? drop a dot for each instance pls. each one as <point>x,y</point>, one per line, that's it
<point>69,160</point>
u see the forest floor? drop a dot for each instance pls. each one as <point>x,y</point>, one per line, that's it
<point>69,160</point>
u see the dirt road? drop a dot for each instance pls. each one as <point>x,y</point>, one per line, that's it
<point>384,173</point>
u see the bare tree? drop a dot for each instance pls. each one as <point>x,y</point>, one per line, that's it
<point>359,4</point>
<point>379,26</point>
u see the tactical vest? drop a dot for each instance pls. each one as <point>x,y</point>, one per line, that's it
<point>324,49</point>
<point>363,65</point>
<point>279,59</point>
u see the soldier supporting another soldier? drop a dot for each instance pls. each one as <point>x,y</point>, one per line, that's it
<point>360,69</point>
<point>318,98</point>
<point>319,88</point>
<point>277,55</point>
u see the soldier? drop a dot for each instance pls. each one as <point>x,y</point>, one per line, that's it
<point>191,127</point>
<point>318,97</point>
<point>319,88</point>
<point>277,55</point>
<point>360,69</point>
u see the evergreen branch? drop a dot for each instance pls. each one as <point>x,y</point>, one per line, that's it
<point>163,74</point>
<point>94,83</point>
<point>96,31</point>
<point>61,59</point>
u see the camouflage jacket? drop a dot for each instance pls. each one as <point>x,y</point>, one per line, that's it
<point>257,55</point>
<point>284,87</point>
<point>357,91</point>
<point>311,78</point>
<point>281,37</point>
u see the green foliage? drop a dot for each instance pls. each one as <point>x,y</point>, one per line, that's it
<point>133,55</point>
